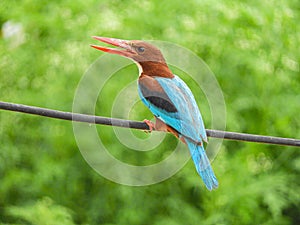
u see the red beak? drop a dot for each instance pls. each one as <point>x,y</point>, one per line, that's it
<point>126,50</point>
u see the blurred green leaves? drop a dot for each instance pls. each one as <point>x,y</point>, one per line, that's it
<point>42,212</point>
<point>253,49</point>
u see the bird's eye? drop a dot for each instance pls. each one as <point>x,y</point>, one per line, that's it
<point>140,49</point>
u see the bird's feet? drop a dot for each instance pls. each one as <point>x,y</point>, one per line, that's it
<point>151,126</point>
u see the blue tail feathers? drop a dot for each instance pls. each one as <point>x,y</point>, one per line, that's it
<point>202,165</point>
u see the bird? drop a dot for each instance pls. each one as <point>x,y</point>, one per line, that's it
<point>169,99</point>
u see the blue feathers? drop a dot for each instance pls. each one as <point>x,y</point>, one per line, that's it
<point>190,123</point>
<point>202,165</point>
<point>184,117</point>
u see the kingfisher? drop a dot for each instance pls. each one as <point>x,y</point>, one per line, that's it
<point>169,99</point>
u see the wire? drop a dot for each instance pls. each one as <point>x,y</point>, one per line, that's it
<point>140,125</point>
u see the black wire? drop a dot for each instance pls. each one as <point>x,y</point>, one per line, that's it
<point>141,125</point>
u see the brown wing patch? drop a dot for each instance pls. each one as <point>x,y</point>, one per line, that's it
<point>154,93</point>
<point>150,83</point>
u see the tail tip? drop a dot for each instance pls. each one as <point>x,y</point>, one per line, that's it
<point>213,184</point>
<point>209,179</point>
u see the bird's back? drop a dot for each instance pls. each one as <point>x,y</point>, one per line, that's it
<point>186,119</point>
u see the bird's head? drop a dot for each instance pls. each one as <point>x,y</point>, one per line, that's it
<point>138,51</point>
<point>147,56</point>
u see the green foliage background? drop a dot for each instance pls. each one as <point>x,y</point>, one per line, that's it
<point>252,48</point>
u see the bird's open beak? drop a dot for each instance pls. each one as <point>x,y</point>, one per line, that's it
<point>126,49</point>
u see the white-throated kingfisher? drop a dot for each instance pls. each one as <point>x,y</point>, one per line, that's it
<point>168,98</point>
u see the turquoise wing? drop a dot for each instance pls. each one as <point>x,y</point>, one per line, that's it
<point>175,105</point>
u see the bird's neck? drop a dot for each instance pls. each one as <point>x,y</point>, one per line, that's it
<point>155,69</point>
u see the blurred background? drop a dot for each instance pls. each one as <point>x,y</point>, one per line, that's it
<point>252,48</point>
